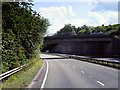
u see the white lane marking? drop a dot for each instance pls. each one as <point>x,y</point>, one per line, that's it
<point>100,83</point>
<point>73,66</point>
<point>46,74</point>
<point>82,71</point>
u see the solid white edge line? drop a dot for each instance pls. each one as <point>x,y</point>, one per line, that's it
<point>46,74</point>
<point>100,83</point>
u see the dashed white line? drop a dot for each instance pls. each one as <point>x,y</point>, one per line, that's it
<point>45,78</point>
<point>82,71</point>
<point>100,83</point>
<point>73,66</point>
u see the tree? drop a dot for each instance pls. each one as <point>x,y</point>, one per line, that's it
<point>84,30</point>
<point>23,31</point>
<point>68,29</point>
<point>77,30</point>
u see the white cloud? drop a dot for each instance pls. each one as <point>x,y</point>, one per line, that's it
<point>77,21</point>
<point>99,17</point>
<point>70,11</point>
<point>93,3</point>
<point>55,12</point>
<point>58,16</point>
<point>75,0</point>
<point>54,28</point>
<point>106,17</point>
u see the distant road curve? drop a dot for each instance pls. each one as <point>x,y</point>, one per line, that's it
<point>71,73</point>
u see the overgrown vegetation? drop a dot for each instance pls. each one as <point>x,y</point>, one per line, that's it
<point>22,36</point>
<point>69,29</point>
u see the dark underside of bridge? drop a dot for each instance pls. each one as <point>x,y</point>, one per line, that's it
<point>106,46</point>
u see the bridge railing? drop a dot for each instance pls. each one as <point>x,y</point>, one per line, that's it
<point>79,36</point>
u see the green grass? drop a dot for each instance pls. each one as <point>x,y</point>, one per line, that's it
<point>23,78</point>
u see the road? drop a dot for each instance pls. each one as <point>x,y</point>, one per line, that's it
<point>71,73</point>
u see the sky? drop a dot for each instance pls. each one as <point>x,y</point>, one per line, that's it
<point>77,12</point>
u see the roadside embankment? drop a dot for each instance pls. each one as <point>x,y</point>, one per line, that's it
<point>24,77</point>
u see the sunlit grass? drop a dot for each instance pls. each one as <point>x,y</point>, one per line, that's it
<point>23,78</point>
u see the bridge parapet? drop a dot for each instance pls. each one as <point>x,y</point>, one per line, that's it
<point>80,45</point>
<point>83,38</point>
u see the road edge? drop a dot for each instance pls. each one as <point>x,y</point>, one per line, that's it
<point>36,76</point>
<point>45,77</point>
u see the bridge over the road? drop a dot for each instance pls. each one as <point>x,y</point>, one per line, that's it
<point>94,45</point>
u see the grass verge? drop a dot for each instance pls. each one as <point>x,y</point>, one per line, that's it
<point>24,77</point>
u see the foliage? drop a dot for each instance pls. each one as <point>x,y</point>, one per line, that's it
<point>68,29</point>
<point>23,31</point>
<point>90,30</point>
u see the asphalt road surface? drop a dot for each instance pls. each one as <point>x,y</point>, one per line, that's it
<point>71,73</point>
